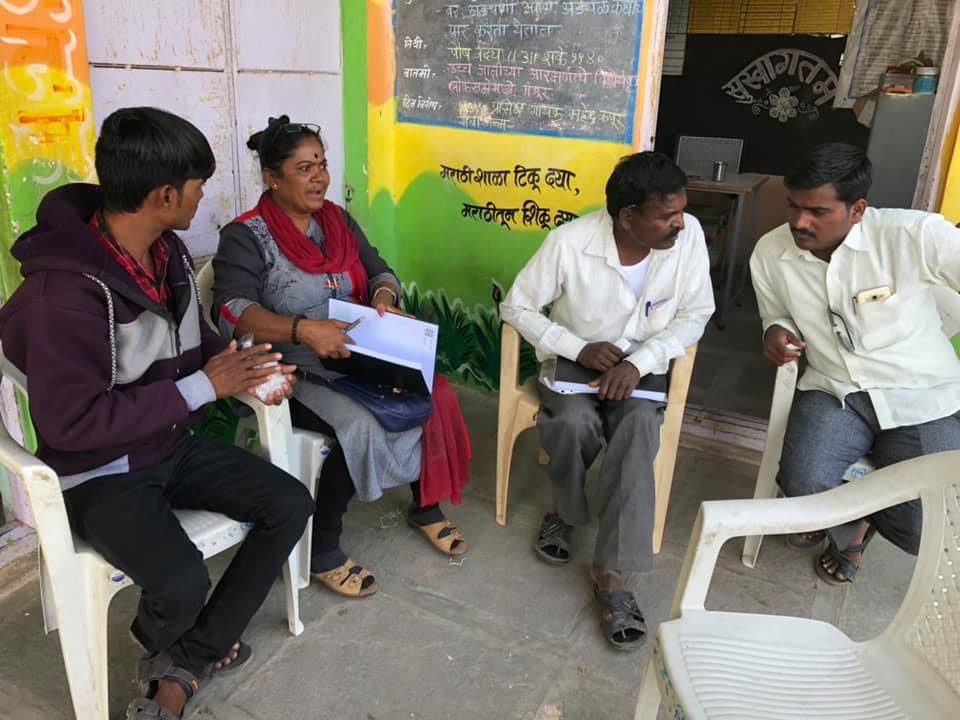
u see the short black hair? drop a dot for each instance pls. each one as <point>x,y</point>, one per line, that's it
<point>278,141</point>
<point>842,165</point>
<point>143,148</point>
<point>640,177</point>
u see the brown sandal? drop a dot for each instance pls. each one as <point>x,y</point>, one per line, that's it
<point>349,580</point>
<point>443,535</point>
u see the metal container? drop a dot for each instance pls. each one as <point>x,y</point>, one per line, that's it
<point>719,171</point>
<point>925,80</point>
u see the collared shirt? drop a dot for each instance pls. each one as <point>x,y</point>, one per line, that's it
<point>577,272</point>
<point>894,349</point>
<point>154,284</point>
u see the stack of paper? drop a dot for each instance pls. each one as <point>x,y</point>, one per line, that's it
<point>393,350</point>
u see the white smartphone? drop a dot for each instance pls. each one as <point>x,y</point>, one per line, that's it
<point>873,295</point>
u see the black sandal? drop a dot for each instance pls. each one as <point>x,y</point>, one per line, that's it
<point>554,541</point>
<point>622,620</point>
<point>244,655</point>
<point>805,541</point>
<point>845,566</point>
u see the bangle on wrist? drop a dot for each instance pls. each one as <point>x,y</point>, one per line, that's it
<point>294,334</point>
<point>384,288</point>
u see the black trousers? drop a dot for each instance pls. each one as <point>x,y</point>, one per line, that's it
<point>128,518</point>
<point>335,488</point>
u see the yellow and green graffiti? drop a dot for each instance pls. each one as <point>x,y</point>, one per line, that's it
<point>459,210</point>
<point>46,121</point>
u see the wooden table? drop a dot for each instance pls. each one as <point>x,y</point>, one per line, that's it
<point>737,186</point>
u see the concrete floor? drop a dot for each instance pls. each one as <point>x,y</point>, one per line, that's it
<point>498,636</point>
<point>731,374</point>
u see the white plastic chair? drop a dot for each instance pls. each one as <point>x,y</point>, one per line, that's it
<point>519,405</point>
<point>300,452</point>
<point>738,666</point>
<point>948,304</point>
<point>77,584</point>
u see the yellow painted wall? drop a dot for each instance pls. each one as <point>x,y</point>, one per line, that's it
<point>455,262</point>
<point>950,206</point>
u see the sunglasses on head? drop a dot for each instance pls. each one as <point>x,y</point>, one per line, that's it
<point>278,129</point>
<point>294,128</point>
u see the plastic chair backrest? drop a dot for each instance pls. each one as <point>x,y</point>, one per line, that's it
<point>928,621</point>
<point>205,286</point>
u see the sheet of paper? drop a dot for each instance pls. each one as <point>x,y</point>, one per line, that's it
<point>548,372</point>
<point>395,338</point>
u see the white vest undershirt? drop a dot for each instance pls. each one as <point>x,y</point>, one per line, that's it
<point>636,274</point>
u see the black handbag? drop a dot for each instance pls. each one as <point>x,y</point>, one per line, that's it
<point>397,411</point>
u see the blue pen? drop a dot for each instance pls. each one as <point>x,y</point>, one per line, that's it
<point>651,305</point>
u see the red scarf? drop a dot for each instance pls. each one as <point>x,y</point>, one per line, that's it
<point>445,448</point>
<point>340,251</point>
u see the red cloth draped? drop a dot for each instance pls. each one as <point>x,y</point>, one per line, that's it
<point>445,448</point>
<point>340,252</point>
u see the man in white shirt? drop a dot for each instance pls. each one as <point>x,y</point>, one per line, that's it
<point>629,290</point>
<point>851,288</point>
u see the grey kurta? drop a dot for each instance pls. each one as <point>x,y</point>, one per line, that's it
<point>249,268</point>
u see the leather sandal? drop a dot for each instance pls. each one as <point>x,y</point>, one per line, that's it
<point>843,559</point>
<point>443,535</point>
<point>147,709</point>
<point>805,541</point>
<point>349,580</point>
<point>555,540</point>
<point>244,655</point>
<point>623,623</point>
<point>150,671</point>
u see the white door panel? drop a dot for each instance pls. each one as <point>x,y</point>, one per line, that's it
<point>302,35</point>
<point>202,98</point>
<point>178,33</point>
<point>305,98</point>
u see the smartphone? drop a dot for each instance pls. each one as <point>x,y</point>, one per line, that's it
<point>873,295</point>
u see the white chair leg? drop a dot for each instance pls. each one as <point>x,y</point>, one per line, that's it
<point>312,455</point>
<point>83,643</point>
<point>47,603</point>
<point>303,550</point>
<point>648,701</point>
<point>751,550</point>
<point>766,488</point>
<point>291,582</point>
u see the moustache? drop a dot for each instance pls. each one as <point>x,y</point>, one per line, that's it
<point>804,233</point>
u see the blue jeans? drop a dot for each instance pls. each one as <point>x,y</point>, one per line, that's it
<point>824,438</point>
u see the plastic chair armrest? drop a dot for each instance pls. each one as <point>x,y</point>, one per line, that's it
<point>721,520</point>
<point>19,461</point>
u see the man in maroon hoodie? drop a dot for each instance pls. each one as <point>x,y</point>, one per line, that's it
<point>107,333</point>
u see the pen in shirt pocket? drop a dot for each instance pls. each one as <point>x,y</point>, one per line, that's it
<point>652,304</point>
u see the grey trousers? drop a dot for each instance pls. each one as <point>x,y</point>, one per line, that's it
<point>824,438</point>
<point>572,430</point>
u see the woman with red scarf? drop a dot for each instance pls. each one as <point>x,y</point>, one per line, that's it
<point>276,269</point>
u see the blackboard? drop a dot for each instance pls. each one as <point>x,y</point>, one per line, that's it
<point>543,67</point>
<point>764,89</point>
